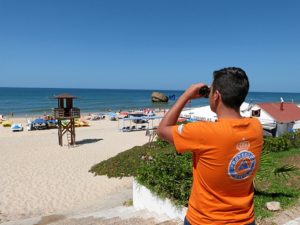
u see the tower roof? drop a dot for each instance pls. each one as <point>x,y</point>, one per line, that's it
<point>65,95</point>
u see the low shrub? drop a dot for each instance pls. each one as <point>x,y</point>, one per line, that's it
<point>293,139</point>
<point>169,176</point>
<point>282,143</point>
<point>126,163</point>
<point>161,143</point>
<point>276,144</point>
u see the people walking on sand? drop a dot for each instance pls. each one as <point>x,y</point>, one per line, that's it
<point>226,153</point>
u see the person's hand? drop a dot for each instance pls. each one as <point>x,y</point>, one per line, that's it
<point>193,91</point>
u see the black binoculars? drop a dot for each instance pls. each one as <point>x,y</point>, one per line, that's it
<point>204,91</point>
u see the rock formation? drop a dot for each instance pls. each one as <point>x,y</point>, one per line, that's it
<point>159,97</point>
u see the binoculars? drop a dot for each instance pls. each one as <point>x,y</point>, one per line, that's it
<point>204,91</point>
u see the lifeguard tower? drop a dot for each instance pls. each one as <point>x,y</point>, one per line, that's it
<point>65,113</point>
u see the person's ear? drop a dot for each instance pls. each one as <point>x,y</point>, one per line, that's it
<point>216,95</point>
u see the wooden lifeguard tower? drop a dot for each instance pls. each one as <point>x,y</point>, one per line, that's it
<point>66,112</point>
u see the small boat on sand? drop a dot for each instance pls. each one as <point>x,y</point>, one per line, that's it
<point>37,124</point>
<point>16,127</point>
<point>6,123</point>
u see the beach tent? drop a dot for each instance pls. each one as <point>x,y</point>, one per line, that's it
<point>128,127</point>
<point>138,118</point>
<point>202,113</point>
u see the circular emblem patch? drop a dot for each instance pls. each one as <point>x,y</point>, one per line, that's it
<point>242,165</point>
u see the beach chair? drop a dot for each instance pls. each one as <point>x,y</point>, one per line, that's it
<point>126,129</point>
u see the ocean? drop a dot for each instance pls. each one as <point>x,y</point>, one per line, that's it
<point>39,101</point>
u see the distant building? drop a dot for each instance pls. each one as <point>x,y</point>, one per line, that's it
<point>277,117</point>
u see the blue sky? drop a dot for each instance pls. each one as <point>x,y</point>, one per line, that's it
<point>153,44</point>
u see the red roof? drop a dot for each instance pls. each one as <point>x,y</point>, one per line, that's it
<point>290,112</point>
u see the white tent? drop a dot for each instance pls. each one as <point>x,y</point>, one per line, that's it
<point>200,113</point>
<point>204,113</point>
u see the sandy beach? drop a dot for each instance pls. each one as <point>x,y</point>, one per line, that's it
<point>39,178</point>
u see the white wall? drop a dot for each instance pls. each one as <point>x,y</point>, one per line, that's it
<point>144,199</point>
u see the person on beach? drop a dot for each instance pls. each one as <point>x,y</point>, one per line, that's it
<point>226,153</point>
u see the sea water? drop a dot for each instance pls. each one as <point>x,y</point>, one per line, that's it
<point>39,101</point>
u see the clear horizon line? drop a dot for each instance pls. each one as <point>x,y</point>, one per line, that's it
<point>133,89</point>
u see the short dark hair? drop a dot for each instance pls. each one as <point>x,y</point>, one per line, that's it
<point>233,84</point>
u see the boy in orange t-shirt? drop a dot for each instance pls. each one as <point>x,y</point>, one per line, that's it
<point>226,153</point>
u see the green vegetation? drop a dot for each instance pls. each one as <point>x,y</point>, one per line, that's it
<point>168,174</point>
<point>128,203</point>
<point>127,163</point>
<point>282,143</point>
<point>275,185</point>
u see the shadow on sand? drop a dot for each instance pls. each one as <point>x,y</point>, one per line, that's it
<point>88,141</point>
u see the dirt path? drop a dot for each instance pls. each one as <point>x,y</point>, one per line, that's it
<point>283,217</point>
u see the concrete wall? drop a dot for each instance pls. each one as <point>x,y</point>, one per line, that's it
<point>144,199</point>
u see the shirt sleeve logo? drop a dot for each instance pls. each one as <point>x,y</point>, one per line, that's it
<point>180,128</point>
<point>243,163</point>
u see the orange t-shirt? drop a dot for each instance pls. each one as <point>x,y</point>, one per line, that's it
<point>226,156</point>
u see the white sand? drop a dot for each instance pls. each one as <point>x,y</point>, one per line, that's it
<point>38,177</point>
